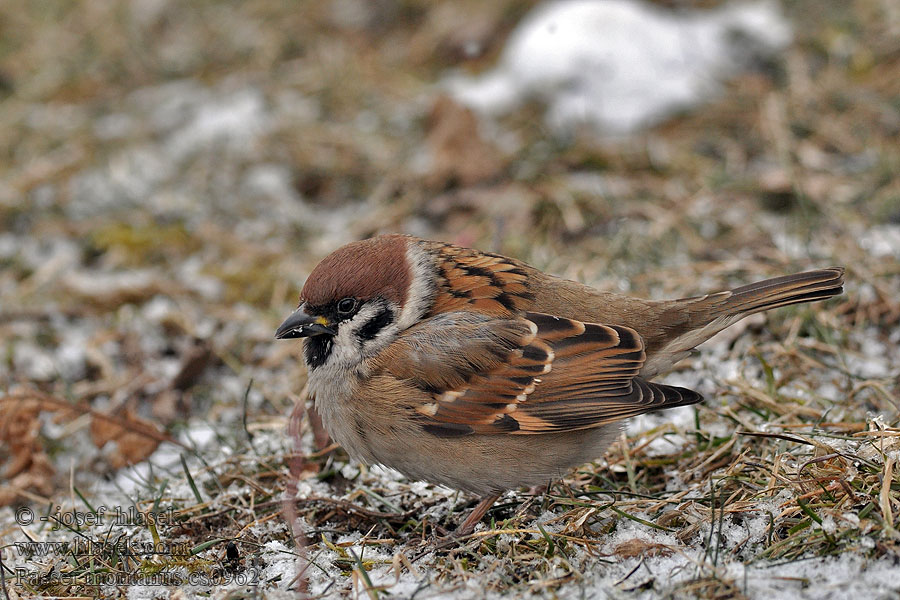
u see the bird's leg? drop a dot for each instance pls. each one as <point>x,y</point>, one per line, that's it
<point>475,516</point>
<point>463,530</point>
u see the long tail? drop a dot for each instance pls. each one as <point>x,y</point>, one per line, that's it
<point>691,321</point>
<point>781,291</point>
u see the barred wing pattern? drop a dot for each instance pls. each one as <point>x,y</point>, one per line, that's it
<point>564,375</point>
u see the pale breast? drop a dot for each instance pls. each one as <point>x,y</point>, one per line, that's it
<point>331,389</point>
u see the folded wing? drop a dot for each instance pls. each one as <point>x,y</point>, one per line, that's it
<point>531,375</point>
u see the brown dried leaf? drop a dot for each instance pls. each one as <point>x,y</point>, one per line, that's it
<point>459,155</point>
<point>129,432</point>
<point>29,467</point>
<point>19,431</point>
<point>36,480</point>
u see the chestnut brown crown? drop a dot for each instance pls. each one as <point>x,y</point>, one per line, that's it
<point>376,267</point>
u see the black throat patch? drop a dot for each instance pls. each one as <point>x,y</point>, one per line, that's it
<point>316,350</point>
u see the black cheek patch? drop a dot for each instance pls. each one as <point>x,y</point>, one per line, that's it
<point>376,324</point>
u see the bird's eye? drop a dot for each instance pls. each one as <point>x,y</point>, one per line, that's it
<point>346,306</point>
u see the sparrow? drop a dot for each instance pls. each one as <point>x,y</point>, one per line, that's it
<point>479,372</point>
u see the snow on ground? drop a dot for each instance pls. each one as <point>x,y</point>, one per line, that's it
<point>263,173</point>
<point>622,65</point>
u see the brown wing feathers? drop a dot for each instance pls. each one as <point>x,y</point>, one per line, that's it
<point>568,375</point>
<point>485,282</point>
<point>585,412</point>
<point>571,375</point>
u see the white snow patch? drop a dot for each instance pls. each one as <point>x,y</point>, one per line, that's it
<point>882,240</point>
<point>235,121</point>
<point>621,65</point>
<point>682,417</point>
<point>34,362</point>
<point>875,360</point>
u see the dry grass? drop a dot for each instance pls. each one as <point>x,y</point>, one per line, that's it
<point>142,274</point>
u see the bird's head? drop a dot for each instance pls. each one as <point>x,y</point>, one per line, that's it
<point>358,298</point>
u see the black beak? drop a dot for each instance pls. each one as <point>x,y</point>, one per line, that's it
<point>300,324</point>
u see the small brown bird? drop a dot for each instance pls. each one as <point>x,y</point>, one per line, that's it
<point>479,372</point>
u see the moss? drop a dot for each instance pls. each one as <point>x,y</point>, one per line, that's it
<point>141,244</point>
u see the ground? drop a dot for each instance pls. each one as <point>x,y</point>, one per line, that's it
<point>173,171</point>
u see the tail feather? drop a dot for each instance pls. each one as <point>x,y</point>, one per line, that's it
<point>691,321</point>
<point>782,291</point>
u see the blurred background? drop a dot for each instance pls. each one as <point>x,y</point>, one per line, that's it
<point>171,172</point>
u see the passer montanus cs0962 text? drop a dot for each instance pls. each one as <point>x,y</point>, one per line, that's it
<point>479,372</point>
